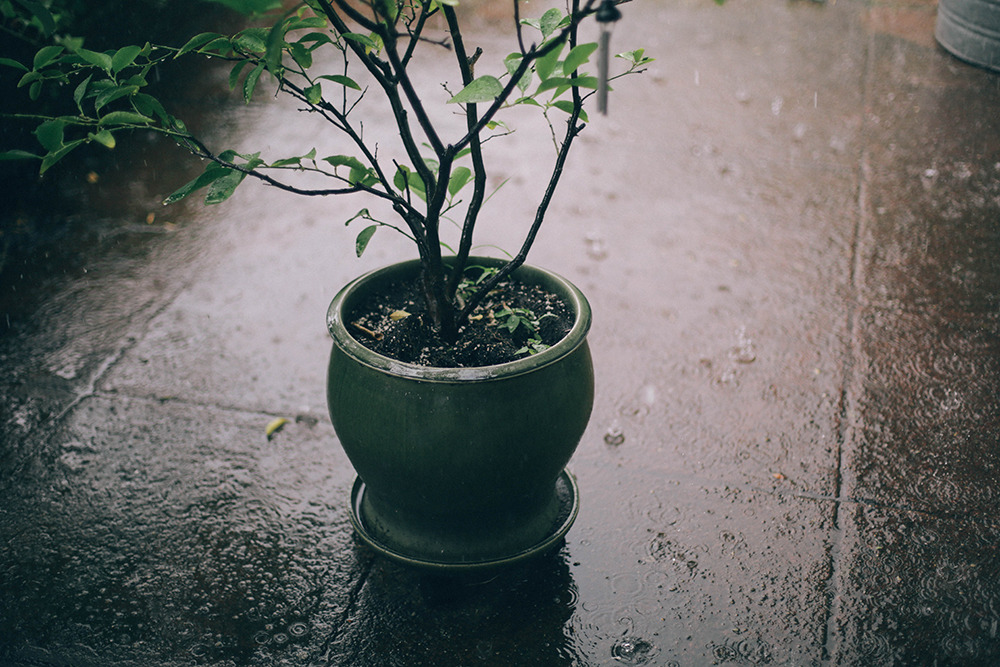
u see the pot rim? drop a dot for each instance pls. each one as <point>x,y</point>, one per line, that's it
<point>337,326</point>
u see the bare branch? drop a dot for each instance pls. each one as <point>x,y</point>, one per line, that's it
<point>476,153</point>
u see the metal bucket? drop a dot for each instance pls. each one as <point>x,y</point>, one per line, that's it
<point>970,30</point>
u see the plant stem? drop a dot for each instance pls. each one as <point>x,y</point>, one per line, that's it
<point>572,129</point>
<point>476,153</point>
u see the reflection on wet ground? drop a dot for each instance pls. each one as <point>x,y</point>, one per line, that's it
<point>789,233</point>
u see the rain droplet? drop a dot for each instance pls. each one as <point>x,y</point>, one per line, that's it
<point>596,246</point>
<point>952,400</point>
<point>298,629</point>
<point>728,376</point>
<point>744,351</point>
<point>614,435</point>
<point>776,105</point>
<point>632,650</point>
<point>73,461</point>
<point>649,395</point>
<point>929,177</point>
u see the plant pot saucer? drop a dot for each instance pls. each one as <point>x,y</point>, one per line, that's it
<point>568,496</point>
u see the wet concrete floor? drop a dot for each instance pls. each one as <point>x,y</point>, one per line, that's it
<point>789,232</point>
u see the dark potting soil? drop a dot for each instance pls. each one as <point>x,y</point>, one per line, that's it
<point>395,323</point>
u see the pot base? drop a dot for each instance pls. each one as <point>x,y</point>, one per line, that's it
<point>567,494</point>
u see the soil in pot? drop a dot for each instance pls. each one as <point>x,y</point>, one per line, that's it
<point>514,320</point>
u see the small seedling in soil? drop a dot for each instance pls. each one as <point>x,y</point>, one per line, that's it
<point>513,320</point>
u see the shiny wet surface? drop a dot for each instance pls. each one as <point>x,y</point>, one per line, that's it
<point>789,232</point>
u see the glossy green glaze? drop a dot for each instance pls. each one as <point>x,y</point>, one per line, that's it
<point>460,465</point>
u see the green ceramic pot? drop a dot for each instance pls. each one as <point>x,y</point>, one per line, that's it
<point>461,467</point>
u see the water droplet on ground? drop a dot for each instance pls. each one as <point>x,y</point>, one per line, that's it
<point>744,352</point>
<point>632,650</point>
<point>298,629</point>
<point>596,246</point>
<point>929,177</point>
<point>614,436</point>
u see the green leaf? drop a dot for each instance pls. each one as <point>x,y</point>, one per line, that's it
<point>636,57</point>
<point>112,94</point>
<point>590,82</point>
<point>250,7</point>
<point>13,63</point>
<point>460,177</point>
<point>72,43</point>
<point>564,83</point>
<point>150,106</point>
<point>512,62</point>
<point>306,22</point>
<point>546,65</point>
<point>316,38</point>
<point>253,40</point>
<point>99,86</point>
<point>362,176</point>
<point>363,40</point>
<point>534,23</point>
<point>222,188</point>
<point>212,172</point>
<point>363,238</point>
<point>50,134</point>
<point>19,155</point>
<point>31,77</point>
<point>124,57</point>
<point>234,73</point>
<point>364,214</point>
<point>124,118</point>
<point>549,21</point>
<point>578,56</point>
<point>386,9</point>
<point>301,55</point>
<point>344,161</point>
<point>407,179</point>
<point>197,42</point>
<point>345,81</point>
<point>567,106</point>
<point>55,156</point>
<point>137,80</point>
<point>81,92</point>
<point>554,82</point>
<point>42,14</point>
<point>104,137</point>
<point>274,44</point>
<point>45,55</point>
<point>101,60</point>
<point>251,81</point>
<point>314,94</point>
<point>483,89</point>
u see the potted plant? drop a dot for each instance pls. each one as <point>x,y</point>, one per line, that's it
<point>460,445</point>
<point>970,30</point>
